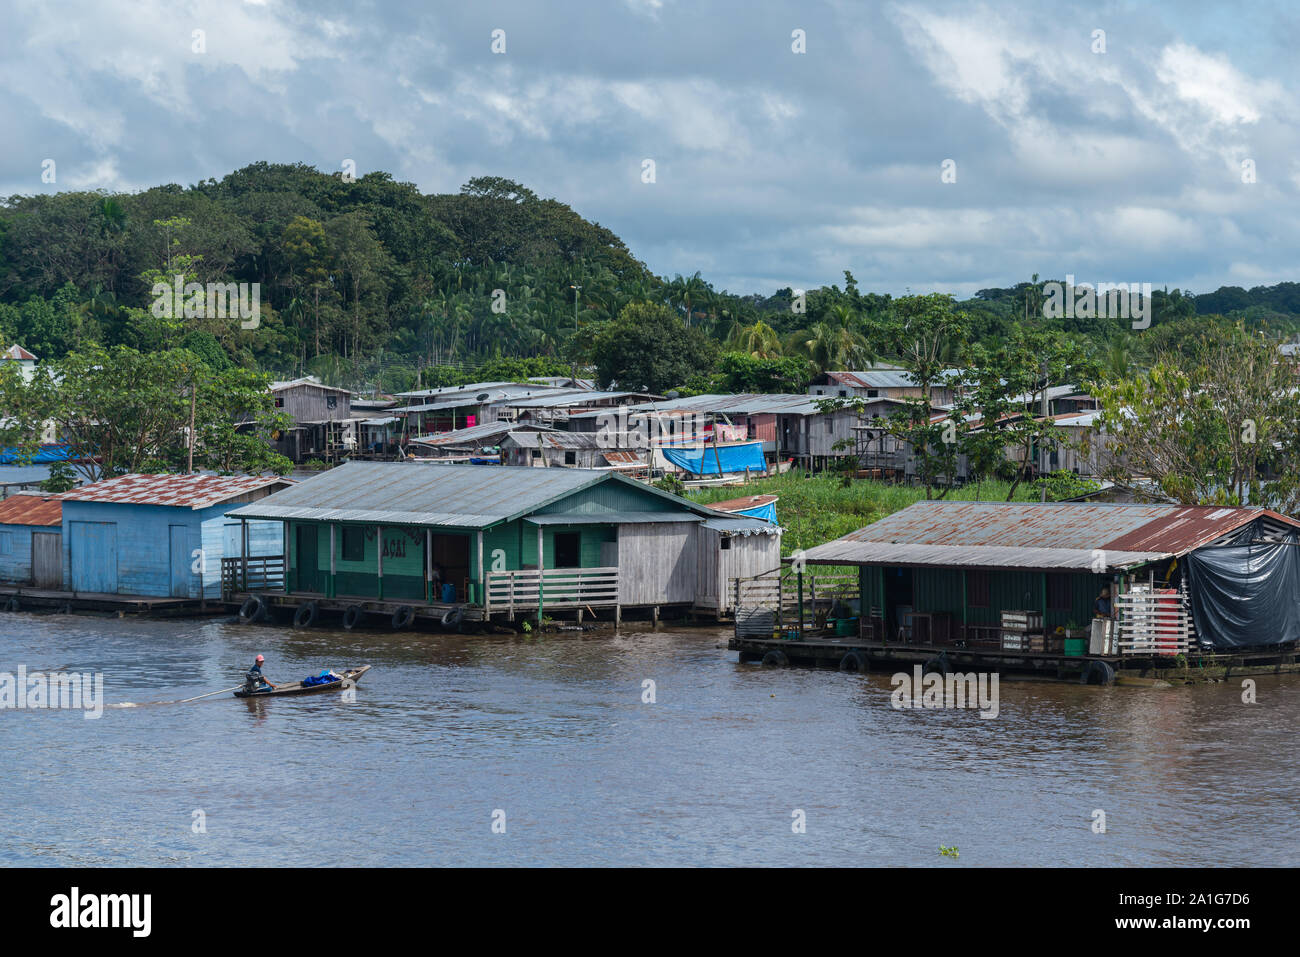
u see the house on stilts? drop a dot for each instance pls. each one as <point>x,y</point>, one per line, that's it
<point>466,543</point>
<point>1015,586</point>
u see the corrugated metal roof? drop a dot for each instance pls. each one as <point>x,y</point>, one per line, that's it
<point>31,510</point>
<point>619,518</point>
<point>463,496</point>
<point>742,525</point>
<point>623,459</point>
<point>18,354</point>
<point>747,403</point>
<point>477,433</point>
<point>178,491</point>
<point>555,440</point>
<point>1044,535</point>
<point>472,389</point>
<point>436,493</point>
<point>281,385</point>
<point>986,556</point>
<point>569,399</point>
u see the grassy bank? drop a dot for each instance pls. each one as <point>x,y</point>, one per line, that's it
<point>818,509</point>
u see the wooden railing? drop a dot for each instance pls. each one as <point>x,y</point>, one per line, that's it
<point>526,589</point>
<point>771,601</point>
<point>1154,624</point>
<point>255,573</point>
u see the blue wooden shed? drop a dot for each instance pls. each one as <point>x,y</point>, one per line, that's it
<point>30,552</point>
<point>162,535</point>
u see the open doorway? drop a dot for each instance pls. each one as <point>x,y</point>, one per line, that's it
<point>898,600</point>
<point>568,550</point>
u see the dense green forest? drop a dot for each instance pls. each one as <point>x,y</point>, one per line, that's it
<point>372,285</point>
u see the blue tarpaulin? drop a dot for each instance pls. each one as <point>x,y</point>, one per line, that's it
<point>43,456</point>
<point>766,512</point>
<point>734,458</point>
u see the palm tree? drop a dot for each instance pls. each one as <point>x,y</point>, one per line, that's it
<point>687,293</point>
<point>1119,358</point>
<point>834,342</point>
<point>758,340</point>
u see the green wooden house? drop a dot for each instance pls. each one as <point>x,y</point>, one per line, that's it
<point>494,539</point>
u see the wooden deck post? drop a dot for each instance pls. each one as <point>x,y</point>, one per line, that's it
<point>379,557</point>
<point>654,616</point>
<point>428,566</point>
<point>541,572</point>
<point>333,589</point>
<point>284,550</point>
<point>482,574</point>
<point>801,605</point>
<point>243,548</point>
<point>618,617</point>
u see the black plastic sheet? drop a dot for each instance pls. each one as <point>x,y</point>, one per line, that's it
<point>1246,596</point>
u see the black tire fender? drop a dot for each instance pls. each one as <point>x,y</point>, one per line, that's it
<point>403,617</point>
<point>352,616</point>
<point>938,663</point>
<point>775,659</point>
<point>1098,673</point>
<point>253,609</point>
<point>452,617</point>
<point>13,604</point>
<point>855,661</point>
<point>306,615</point>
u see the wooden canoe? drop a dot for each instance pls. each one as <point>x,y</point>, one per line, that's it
<point>352,675</point>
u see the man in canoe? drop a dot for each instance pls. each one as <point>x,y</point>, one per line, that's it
<point>255,680</point>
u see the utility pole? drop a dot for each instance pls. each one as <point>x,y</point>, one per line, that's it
<point>192,403</point>
<point>1042,443</point>
<point>573,366</point>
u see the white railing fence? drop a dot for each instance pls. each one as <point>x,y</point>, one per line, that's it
<point>561,587</point>
<point>1154,623</point>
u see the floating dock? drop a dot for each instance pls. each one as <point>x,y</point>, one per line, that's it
<point>856,654</point>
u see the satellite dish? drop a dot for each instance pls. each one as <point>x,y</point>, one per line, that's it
<point>673,394</point>
<point>481,397</point>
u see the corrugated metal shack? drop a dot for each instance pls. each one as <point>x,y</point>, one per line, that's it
<point>31,552</point>
<point>885,382</point>
<point>790,426</point>
<point>551,448</point>
<point>1195,593</point>
<point>462,542</point>
<point>163,535</point>
<point>481,442</point>
<point>322,425</point>
<point>946,572</point>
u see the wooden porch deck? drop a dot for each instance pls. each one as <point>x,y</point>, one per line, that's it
<point>46,598</point>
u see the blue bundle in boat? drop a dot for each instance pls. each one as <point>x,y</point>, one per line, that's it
<point>324,678</point>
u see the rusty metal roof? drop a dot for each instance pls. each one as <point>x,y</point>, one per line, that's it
<point>31,510</point>
<point>555,440</point>
<point>17,353</point>
<point>186,490</point>
<point>1037,535</point>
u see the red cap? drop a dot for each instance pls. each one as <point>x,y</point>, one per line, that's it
<point>260,658</point>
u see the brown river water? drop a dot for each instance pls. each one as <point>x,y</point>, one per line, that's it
<point>550,737</point>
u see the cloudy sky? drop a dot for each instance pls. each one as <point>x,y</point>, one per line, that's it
<point>772,168</point>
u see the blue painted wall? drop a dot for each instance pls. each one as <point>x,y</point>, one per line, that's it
<point>16,551</point>
<point>139,558</point>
